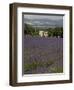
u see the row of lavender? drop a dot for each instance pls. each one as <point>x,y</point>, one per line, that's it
<point>43,55</point>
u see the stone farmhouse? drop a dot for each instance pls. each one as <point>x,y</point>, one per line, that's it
<point>43,33</point>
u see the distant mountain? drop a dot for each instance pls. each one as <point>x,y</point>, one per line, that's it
<point>44,23</point>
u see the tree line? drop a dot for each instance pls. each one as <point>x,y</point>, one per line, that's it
<point>52,32</point>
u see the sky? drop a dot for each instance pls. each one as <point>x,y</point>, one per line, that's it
<point>44,20</point>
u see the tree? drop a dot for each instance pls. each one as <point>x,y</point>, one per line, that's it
<point>29,29</point>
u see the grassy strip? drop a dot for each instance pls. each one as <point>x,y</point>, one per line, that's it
<point>56,69</point>
<point>34,65</point>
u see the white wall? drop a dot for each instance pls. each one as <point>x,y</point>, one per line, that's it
<point>4,46</point>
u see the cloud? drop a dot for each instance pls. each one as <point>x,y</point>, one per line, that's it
<point>44,20</point>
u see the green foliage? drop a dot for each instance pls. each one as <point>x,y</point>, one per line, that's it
<point>50,32</point>
<point>56,69</point>
<point>58,31</point>
<point>30,30</point>
<point>49,63</point>
<point>34,31</point>
<point>34,65</point>
<point>30,66</point>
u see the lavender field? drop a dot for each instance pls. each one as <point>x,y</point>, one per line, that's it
<point>43,55</point>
